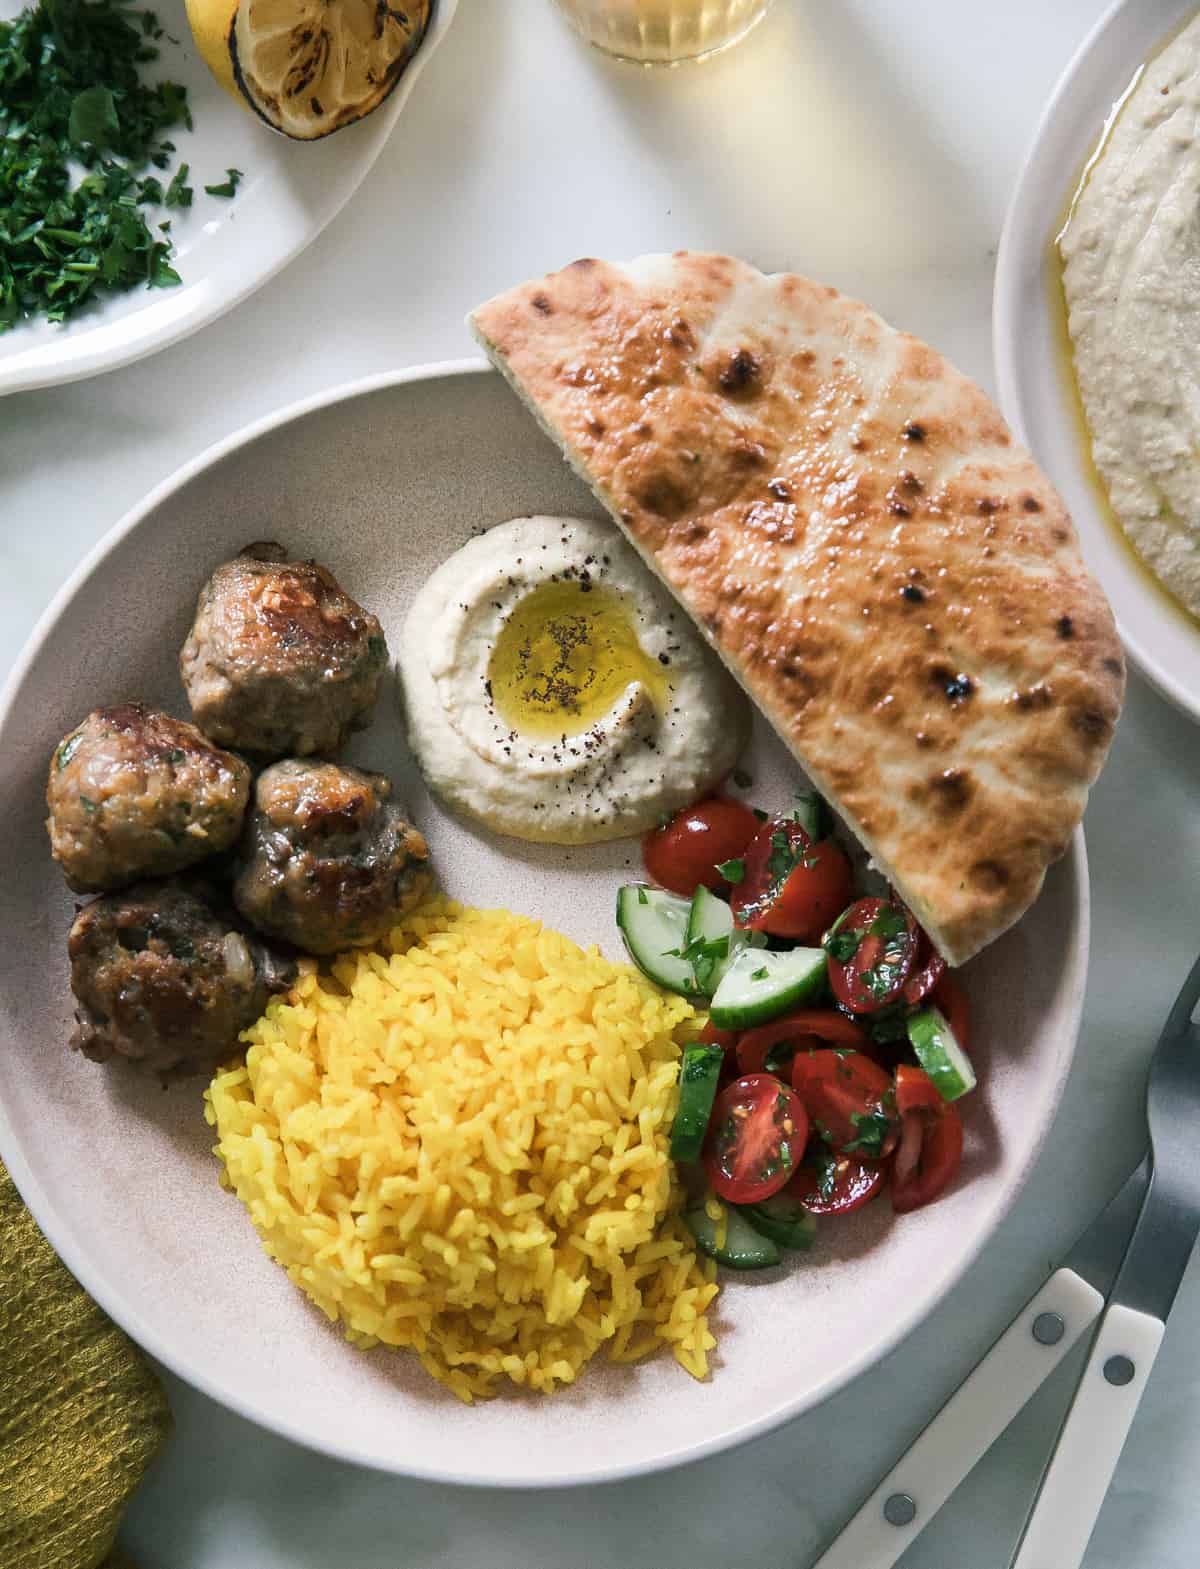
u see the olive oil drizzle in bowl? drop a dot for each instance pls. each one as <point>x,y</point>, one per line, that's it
<point>564,658</point>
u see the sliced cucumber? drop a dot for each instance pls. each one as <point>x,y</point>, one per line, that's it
<point>654,927</point>
<point>812,814</point>
<point>743,1247</point>
<point>709,917</point>
<point>759,985</point>
<point>939,1053</point>
<point>698,1075</point>
<point>710,925</point>
<point>782,1220</point>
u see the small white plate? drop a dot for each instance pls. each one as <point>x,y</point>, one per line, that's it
<point>382,481</point>
<point>224,249</point>
<point>1033,373</point>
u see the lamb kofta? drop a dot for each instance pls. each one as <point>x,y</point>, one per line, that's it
<point>327,860</point>
<point>166,977</point>
<point>134,793</point>
<point>280,661</point>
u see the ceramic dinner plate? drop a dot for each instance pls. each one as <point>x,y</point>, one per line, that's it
<point>1032,368</point>
<point>382,481</point>
<point>224,249</point>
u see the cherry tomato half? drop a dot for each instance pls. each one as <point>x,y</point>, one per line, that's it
<point>871,952</point>
<point>791,887</point>
<point>916,1091</point>
<point>710,1035</point>
<point>835,1184</point>
<point>928,1157</point>
<point>826,1024</point>
<point>849,1099</point>
<point>952,1000</point>
<point>686,851</point>
<point>928,969</point>
<point>756,1137</point>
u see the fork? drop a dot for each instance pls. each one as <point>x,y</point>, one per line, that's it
<point>1077,1478</point>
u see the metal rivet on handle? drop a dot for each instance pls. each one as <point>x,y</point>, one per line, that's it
<point>1048,1329</point>
<point>899,1509</point>
<point>1119,1370</point>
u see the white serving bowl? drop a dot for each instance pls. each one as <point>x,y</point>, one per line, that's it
<point>381,481</point>
<point>1032,368</point>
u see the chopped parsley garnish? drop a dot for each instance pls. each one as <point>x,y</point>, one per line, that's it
<point>782,860</point>
<point>889,922</point>
<point>72,98</point>
<point>760,814</point>
<point>760,975</point>
<point>703,954</point>
<point>643,896</point>
<point>732,871</point>
<point>871,1128</point>
<point>87,804</point>
<point>179,192</point>
<point>227,187</point>
<point>80,131</point>
<point>843,945</point>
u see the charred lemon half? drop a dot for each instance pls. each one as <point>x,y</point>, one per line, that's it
<point>309,67</point>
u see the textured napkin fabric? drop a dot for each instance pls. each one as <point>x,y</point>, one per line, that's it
<point>81,1413</point>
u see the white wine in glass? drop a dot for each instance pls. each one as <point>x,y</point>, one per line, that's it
<point>661,32</point>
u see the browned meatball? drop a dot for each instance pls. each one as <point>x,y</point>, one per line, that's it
<point>327,861</point>
<point>279,660</point>
<point>165,977</point>
<point>134,793</point>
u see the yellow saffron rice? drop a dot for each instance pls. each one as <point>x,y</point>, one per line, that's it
<point>461,1146</point>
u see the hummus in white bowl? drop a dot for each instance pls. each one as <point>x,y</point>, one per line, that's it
<point>556,693</point>
<point>1131,274</point>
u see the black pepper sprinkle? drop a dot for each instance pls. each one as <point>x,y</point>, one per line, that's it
<point>913,432</point>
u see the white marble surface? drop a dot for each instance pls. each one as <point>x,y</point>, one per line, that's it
<point>869,142</point>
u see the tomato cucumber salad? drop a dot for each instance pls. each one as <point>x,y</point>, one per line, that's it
<point>836,1048</point>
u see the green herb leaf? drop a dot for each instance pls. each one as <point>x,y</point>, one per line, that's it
<point>825,1164</point>
<point>732,871</point>
<point>842,945</point>
<point>93,118</point>
<point>889,922</point>
<point>179,192</point>
<point>643,896</point>
<point>760,814</point>
<point>760,975</point>
<point>703,954</point>
<point>872,1128</point>
<point>227,187</point>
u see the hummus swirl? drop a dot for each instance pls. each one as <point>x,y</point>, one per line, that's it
<point>1131,273</point>
<point>555,692</point>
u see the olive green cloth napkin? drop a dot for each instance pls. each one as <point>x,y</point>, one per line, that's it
<point>81,1412</point>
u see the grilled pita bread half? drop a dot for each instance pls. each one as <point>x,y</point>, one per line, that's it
<point>856,531</point>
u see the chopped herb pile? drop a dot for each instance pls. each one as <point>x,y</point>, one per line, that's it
<point>80,134</point>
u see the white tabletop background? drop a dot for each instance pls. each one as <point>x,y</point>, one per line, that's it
<point>870,143</point>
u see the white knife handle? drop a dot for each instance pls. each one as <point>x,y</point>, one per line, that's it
<point>967,1425</point>
<point>1091,1441</point>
